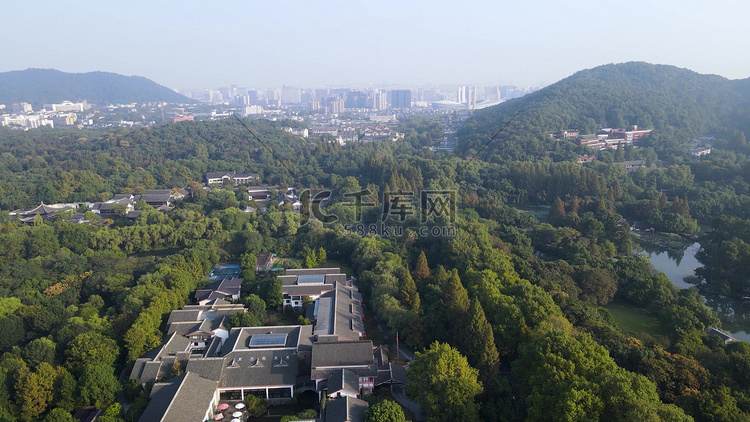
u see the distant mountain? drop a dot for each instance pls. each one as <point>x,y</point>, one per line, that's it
<point>40,86</point>
<point>668,99</point>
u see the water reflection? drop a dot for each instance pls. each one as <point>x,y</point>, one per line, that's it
<point>674,254</point>
<point>677,260</point>
<point>734,314</point>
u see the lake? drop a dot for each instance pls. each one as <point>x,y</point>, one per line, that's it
<point>676,259</point>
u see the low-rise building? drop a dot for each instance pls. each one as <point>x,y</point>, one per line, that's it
<point>183,398</point>
<point>631,165</point>
<point>265,261</point>
<point>330,357</point>
<point>345,409</point>
<point>227,289</point>
<point>700,151</point>
<point>298,284</point>
<point>67,106</point>
<point>272,362</point>
<point>31,121</point>
<point>222,177</point>
<point>183,118</point>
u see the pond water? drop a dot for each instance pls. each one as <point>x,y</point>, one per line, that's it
<point>677,260</point>
<point>676,264</point>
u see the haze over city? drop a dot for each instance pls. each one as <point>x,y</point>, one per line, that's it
<point>192,44</point>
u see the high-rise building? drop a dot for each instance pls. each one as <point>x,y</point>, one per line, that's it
<point>467,95</point>
<point>492,93</point>
<point>226,92</point>
<point>461,95</point>
<point>471,97</point>
<point>212,96</point>
<point>337,105</point>
<point>379,100</point>
<point>401,98</point>
<point>290,95</point>
<point>321,94</point>
<point>254,96</point>
<point>356,99</point>
<point>242,100</point>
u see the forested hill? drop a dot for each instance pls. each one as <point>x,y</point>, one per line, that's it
<point>40,86</point>
<point>675,102</point>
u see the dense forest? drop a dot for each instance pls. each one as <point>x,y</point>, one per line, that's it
<point>508,306</point>
<point>47,86</point>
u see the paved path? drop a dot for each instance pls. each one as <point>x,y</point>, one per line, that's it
<point>403,399</point>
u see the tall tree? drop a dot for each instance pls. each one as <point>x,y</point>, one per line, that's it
<point>422,270</point>
<point>442,382</point>
<point>456,300</point>
<point>385,411</point>
<point>34,390</point>
<point>407,291</point>
<point>479,343</point>
<point>557,212</point>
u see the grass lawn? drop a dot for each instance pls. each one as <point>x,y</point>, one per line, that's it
<point>640,322</point>
<point>281,262</point>
<point>332,263</point>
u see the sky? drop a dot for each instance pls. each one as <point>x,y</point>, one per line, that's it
<point>308,44</point>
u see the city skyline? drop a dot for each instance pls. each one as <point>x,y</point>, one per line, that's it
<point>388,44</point>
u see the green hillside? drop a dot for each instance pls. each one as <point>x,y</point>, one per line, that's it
<point>40,86</point>
<point>677,103</point>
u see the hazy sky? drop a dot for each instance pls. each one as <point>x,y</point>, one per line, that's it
<point>186,44</point>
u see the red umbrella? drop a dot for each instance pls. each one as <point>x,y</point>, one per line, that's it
<point>223,406</point>
<point>218,416</point>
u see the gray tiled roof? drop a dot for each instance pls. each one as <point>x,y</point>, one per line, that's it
<point>138,366</point>
<point>189,396</point>
<point>356,356</point>
<point>218,174</point>
<point>381,356</point>
<point>343,380</point>
<point>152,371</point>
<point>157,198</point>
<point>305,338</point>
<point>174,344</point>
<point>349,324</point>
<point>346,409</point>
<point>391,374</point>
<point>208,368</point>
<point>203,294</point>
<point>239,338</point>
<point>287,280</point>
<point>183,315</point>
<point>335,278</point>
<point>184,328</point>
<point>249,368</point>
<point>158,363</point>
<point>306,290</point>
